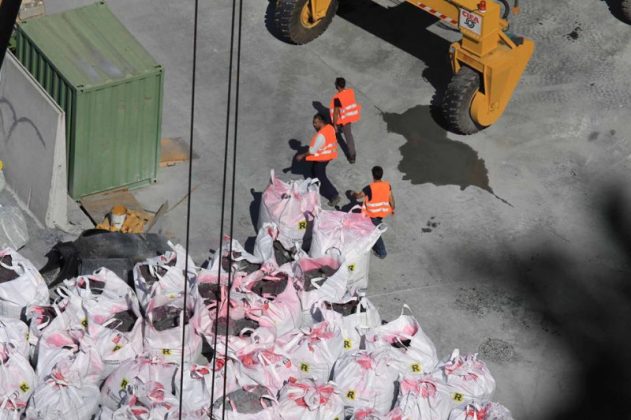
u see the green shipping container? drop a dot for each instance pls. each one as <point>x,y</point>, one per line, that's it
<point>111,90</point>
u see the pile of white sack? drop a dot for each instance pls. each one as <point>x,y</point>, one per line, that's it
<point>293,335</point>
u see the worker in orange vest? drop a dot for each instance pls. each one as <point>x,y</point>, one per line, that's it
<point>378,204</point>
<point>322,150</point>
<point>345,111</point>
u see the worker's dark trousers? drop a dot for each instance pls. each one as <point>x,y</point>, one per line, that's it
<point>318,170</point>
<point>349,140</point>
<point>380,246</point>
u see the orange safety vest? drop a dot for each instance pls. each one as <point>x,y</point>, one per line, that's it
<point>329,150</point>
<point>379,203</point>
<point>349,112</point>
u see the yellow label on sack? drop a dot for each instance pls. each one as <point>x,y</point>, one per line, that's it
<point>117,347</point>
<point>24,387</point>
<point>166,352</point>
<point>304,367</point>
<point>416,368</point>
<point>337,418</point>
<point>124,383</point>
<point>350,395</point>
<point>348,344</point>
<point>302,225</point>
<point>458,397</point>
<point>351,267</point>
<point>172,295</point>
<point>84,322</point>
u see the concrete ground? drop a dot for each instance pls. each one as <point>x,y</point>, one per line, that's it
<point>468,208</point>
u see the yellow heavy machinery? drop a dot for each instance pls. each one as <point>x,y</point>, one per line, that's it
<point>487,62</point>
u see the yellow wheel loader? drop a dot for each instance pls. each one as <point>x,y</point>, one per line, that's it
<point>487,62</point>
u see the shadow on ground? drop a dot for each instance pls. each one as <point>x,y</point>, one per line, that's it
<point>588,304</point>
<point>429,156</point>
<point>405,27</point>
<point>302,168</point>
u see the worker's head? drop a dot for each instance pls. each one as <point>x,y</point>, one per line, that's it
<point>340,83</point>
<point>318,121</point>
<point>377,173</point>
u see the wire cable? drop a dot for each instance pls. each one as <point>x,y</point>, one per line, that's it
<point>223,200</point>
<point>234,182</point>
<point>188,204</point>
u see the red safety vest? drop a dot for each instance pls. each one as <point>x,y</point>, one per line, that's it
<point>349,112</point>
<point>329,150</point>
<point>379,203</point>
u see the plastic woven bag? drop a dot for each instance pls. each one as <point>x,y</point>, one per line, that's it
<point>21,285</point>
<point>354,315</point>
<point>163,274</point>
<point>102,284</point>
<point>145,401</point>
<point>17,382</point>
<point>420,397</point>
<point>130,375</point>
<point>367,379</point>
<point>307,399</point>
<point>120,337</point>
<point>111,315</point>
<point>350,236</point>
<point>72,354</point>
<point>252,402</point>
<point>480,411</point>
<point>232,257</point>
<point>264,243</point>
<point>314,351</point>
<point>465,378</point>
<point>57,399</point>
<point>198,385</point>
<point>415,352</point>
<point>223,320</point>
<point>272,300</point>
<point>317,279</point>
<point>266,365</point>
<point>365,413</point>
<point>15,333</point>
<point>291,206</point>
<point>163,329</point>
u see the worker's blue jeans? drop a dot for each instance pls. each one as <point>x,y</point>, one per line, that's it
<point>380,246</point>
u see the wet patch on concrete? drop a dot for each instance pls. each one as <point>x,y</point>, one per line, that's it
<point>574,35</point>
<point>430,225</point>
<point>496,350</point>
<point>429,156</point>
<point>482,301</point>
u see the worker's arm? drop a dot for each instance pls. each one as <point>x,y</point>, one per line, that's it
<point>337,105</point>
<point>359,195</point>
<point>312,150</point>
<point>336,116</point>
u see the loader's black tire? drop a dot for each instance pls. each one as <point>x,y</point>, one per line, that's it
<point>456,106</point>
<point>625,10</point>
<point>288,26</point>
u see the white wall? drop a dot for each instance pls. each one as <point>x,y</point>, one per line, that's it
<point>32,145</point>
